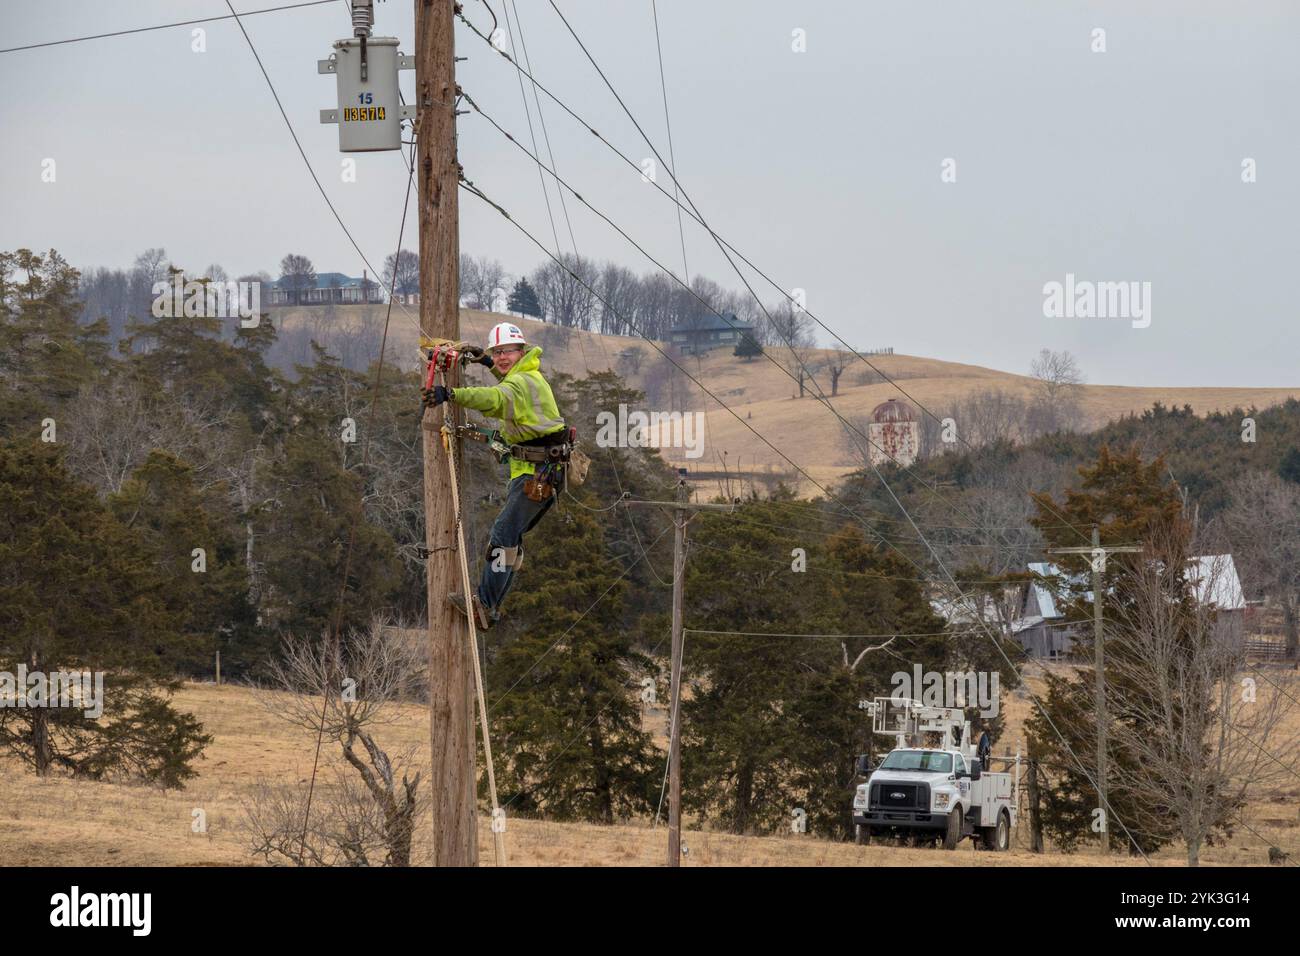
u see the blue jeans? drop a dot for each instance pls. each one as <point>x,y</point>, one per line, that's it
<point>506,542</point>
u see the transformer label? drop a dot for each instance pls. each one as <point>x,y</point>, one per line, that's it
<point>362,114</point>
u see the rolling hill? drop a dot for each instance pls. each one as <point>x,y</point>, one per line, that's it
<point>763,395</point>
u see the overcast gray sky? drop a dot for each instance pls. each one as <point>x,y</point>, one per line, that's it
<point>823,167</point>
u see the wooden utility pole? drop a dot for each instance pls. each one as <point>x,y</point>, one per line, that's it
<point>1098,555</point>
<point>682,513</point>
<point>451,697</point>
<point>675,685</point>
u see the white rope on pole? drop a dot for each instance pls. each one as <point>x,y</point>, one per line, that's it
<point>498,815</point>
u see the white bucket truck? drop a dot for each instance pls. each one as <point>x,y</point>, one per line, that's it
<point>932,791</point>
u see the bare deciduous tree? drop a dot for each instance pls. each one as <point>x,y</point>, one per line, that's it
<point>990,416</point>
<point>1263,524</point>
<point>402,272</point>
<point>839,361</point>
<point>345,691</point>
<point>789,331</point>
<point>1202,734</point>
<point>618,288</point>
<point>565,300</point>
<point>297,275</point>
<point>482,280</point>
<point>1056,406</point>
<point>113,429</point>
<point>1057,372</point>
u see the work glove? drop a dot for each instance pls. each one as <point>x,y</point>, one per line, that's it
<point>436,396</point>
<point>477,356</point>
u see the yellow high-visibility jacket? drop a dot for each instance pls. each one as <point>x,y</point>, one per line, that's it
<point>522,400</point>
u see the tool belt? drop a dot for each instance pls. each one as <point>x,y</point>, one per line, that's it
<point>555,449</point>
<point>550,452</point>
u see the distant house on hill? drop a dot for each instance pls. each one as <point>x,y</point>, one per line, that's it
<point>704,332</point>
<point>330,287</point>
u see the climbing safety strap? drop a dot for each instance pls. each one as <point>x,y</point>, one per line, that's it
<point>488,436</point>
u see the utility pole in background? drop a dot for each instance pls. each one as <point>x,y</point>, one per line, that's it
<point>682,513</point>
<point>455,826</point>
<point>1097,555</point>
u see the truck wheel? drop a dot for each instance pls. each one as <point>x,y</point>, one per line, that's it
<point>997,838</point>
<point>861,835</point>
<point>953,835</point>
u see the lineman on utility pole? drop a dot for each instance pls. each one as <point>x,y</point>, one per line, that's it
<point>533,439</point>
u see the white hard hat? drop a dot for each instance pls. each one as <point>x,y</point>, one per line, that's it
<point>505,333</point>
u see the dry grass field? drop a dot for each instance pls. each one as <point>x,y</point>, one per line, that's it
<point>58,820</point>
<point>763,395</point>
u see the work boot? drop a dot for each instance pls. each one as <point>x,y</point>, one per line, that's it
<point>481,617</point>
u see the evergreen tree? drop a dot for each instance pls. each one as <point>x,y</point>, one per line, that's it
<point>205,592</point>
<point>313,508</point>
<point>640,472</point>
<point>736,728</point>
<point>79,592</point>
<point>773,723</point>
<point>315,511</point>
<point>1130,502</point>
<point>523,299</point>
<point>748,347</point>
<point>564,687</point>
<point>46,357</point>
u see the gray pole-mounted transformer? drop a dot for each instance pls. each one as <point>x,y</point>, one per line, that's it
<point>370,112</point>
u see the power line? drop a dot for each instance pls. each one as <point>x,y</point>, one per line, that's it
<point>546,136</point>
<point>698,630</point>
<point>663,87</point>
<point>164,26</point>
<point>618,501</point>
<point>813,510</point>
<point>523,45</point>
<point>817,390</point>
<point>818,393</point>
<point>528,114</point>
<point>933,527</point>
<point>476,191</point>
<point>884,483</point>
<point>472,188</point>
<point>1013,549</point>
<point>493,13</point>
<point>872,575</point>
<point>722,242</point>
